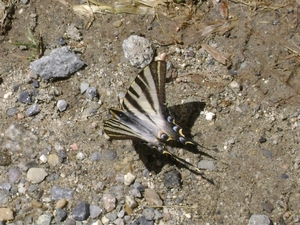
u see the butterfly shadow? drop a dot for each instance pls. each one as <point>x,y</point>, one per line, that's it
<point>185,116</point>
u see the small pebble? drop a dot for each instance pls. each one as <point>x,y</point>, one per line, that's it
<point>128,179</point>
<point>157,214</point>
<point>206,165</point>
<point>32,188</point>
<point>266,153</point>
<point>262,140</point>
<point>74,146</point>
<point>61,215</point>
<point>190,53</point>
<point>7,95</point>
<point>259,220</point>
<point>12,111</point>
<point>62,154</point>
<point>53,160</point>
<point>24,1</point>
<point>119,221</point>
<point>61,203</point>
<point>152,197</point>
<point>25,97</point>
<point>235,85</point>
<point>62,105</point>
<point>20,116</point>
<point>257,108</point>
<point>231,141</point>
<point>32,110</point>
<point>148,213</point>
<point>83,87</point>
<point>81,211</point>
<point>95,211</point>
<point>5,187</point>
<point>91,92</point>
<point>268,207</point>
<point>36,204</point>
<point>44,219</point>
<point>210,116</point>
<point>14,175</point>
<point>80,156</point>
<point>35,84</point>
<point>58,193</point>
<point>105,220</point>
<point>131,202</point>
<point>121,214</point>
<point>109,202</point>
<point>70,221</point>
<point>139,186</point>
<point>43,158</point>
<point>21,188</point>
<point>111,216</point>
<point>120,178</point>
<point>36,175</point>
<point>6,214</point>
<point>61,41</point>
<point>96,156</point>
<point>135,193</point>
<point>172,179</point>
<point>118,191</point>
<point>110,155</point>
<point>73,32</point>
<point>97,222</point>
<point>117,23</point>
<point>144,221</point>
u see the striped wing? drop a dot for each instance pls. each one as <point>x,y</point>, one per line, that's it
<point>142,108</point>
<point>143,113</point>
<point>146,96</point>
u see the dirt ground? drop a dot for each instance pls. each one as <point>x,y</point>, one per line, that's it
<point>244,67</point>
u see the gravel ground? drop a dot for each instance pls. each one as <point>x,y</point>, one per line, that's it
<point>233,84</point>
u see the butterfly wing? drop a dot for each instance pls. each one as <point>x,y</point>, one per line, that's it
<point>146,96</point>
<point>143,114</point>
<point>142,108</point>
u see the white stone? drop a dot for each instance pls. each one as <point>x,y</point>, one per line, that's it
<point>43,158</point>
<point>210,116</point>
<point>128,179</point>
<point>36,175</point>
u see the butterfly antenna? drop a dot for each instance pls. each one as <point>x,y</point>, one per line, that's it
<point>186,164</point>
<point>189,166</point>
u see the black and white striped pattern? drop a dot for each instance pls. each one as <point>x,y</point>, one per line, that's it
<point>143,114</point>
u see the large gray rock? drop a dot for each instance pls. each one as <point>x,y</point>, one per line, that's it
<point>60,63</point>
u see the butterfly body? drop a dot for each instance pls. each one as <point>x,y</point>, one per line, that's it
<point>143,113</point>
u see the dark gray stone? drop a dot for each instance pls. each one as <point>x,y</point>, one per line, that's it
<point>172,179</point>
<point>144,221</point>
<point>61,215</point>
<point>81,211</point>
<point>25,97</point>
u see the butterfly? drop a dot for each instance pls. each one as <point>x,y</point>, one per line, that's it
<point>143,114</point>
